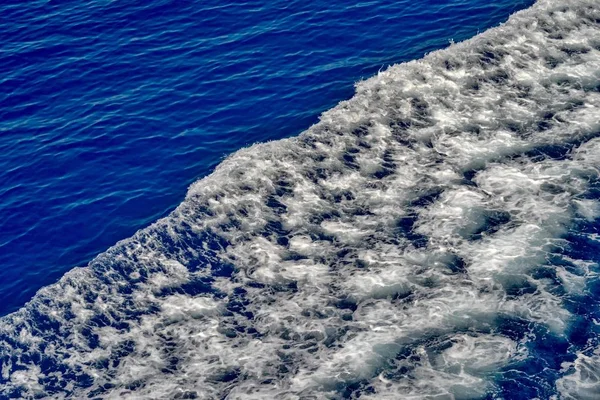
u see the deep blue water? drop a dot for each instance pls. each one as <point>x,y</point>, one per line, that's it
<point>109,110</point>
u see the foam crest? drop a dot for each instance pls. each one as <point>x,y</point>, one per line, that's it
<point>584,382</point>
<point>412,244</point>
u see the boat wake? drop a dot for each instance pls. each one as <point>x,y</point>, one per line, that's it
<point>436,236</point>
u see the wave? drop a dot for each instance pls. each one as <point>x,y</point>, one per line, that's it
<point>432,237</point>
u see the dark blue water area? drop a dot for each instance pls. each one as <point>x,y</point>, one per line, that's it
<point>535,376</point>
<point>110,109</point>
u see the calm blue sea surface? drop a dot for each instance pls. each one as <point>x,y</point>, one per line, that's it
<point>110,109</point>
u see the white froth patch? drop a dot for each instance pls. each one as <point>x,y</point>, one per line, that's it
<point>28,379</point>
<point>588,209</point>
<point>174,274</point>
<point>302,205</point>
<point>476,355</point>
<point>304,272</point>
<point>302,244</point>
<point>584,382</point>
<point>179,307</point>
<point>362,354</point>
<point>571,282</point>
<point>459,213</point>
<point>345,232</point>
<point>375,285</point>
<point>457,372</point>
<point>425,381</point>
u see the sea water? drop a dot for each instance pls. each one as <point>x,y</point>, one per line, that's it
<point>434,236</point>
<point>110,110</point>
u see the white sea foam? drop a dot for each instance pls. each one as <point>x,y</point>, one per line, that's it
<point>394,249</point>
<point>584,382</point>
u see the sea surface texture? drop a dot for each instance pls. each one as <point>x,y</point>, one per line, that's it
<point>436,236</point>
<point>109,110</point>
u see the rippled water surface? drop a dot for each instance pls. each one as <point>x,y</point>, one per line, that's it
<point>435,236</point>
<point>109,110</point>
